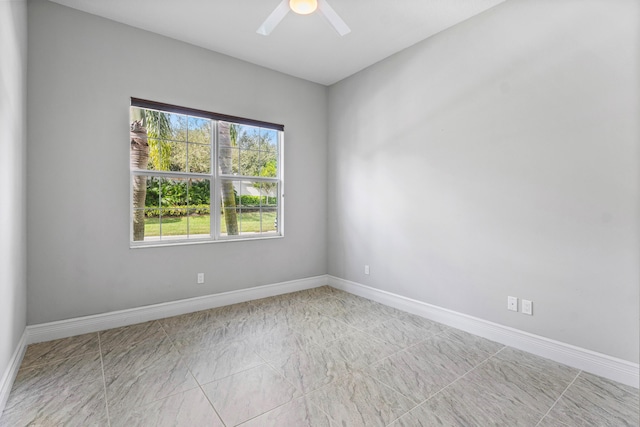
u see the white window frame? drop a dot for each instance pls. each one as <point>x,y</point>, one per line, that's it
<point>215,177</point>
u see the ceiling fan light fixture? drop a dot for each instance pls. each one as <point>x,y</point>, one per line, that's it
<point>303,7</point>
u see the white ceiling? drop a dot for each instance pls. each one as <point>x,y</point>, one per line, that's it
<point>302,46</point>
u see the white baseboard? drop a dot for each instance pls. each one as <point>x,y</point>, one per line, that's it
<point>115,319</point>
<point>6,382</point>
<point>599,364</point>
<point>590,361</point>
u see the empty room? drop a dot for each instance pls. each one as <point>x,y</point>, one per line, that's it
<point>320,213</point>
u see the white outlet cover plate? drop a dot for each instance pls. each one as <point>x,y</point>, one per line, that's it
<point>527,307</point>
<point>512,303</point>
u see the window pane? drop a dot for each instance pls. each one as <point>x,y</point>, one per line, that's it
<point>248,195</point>
<point>249,211</point>
<point>249,154</point>
<point>248,137</point>
<point>139,147</point>
<point>151,224</point>
<point>199,130</point>
<point>199,158</point>
<point>250,163</point>
<point>199,192</point>
<point>268,164</point>
<point>173,193</point>
<point>226,143</point>
<point>229,222</point>
<point>153,192</point>
<point>136,113</point>
<point>269,220</point>
<point>234,155</point>
<point>177,127</point>
<point>229,219</point>
<point>177,156</point>
<point>138,225</point>
<point>269,193</point>
<point>138,200</point>
<point>158,155</point>
<point>199,223</point>
<point>161,125</point>
<point>198,205</point>
<point>250,220</point>
<point>269,147</point>
<point>173,224</point>
<point>268,140</point>
<point>269,206</point>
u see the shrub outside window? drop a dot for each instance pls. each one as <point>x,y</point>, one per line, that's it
<point>199,177</point>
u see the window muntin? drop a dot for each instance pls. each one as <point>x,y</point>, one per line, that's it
<point>196,162</point>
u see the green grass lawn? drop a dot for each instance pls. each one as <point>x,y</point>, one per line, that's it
<point>199,224</point>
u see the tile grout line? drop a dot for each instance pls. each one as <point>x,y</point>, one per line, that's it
<point>335,380</point>
<point>172,346</point>
<point>104,381</point>
<point>192,376</point>
<point>304,394</point>
<point>385,358</point>
<point>361,330</point>
<point>532,409</point>
<point>559,397</point>
<point>357,330</point>
<point>203,392</point>
<point>227,376</point>
<point>284,378</point>
<point>364,331</point>
<point>443,388</point>
<point>450,384</point>
<point>265,362</point>
<point>206,396</point>
<point>555,402</point>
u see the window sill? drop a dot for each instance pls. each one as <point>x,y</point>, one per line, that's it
<point>169,243</point>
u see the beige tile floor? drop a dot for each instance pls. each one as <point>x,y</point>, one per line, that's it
<point>313,358</point>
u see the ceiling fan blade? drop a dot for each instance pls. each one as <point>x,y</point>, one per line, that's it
<point>274,19</point>
<point>334,19</point>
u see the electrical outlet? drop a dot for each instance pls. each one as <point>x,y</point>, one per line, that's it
<point>527,307</point>
<point>200,278</point>
<point>512,303</point>
<point>366,269</point>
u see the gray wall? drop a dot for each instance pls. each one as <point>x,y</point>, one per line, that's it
<point>13,284</point>
<point>499,158</point>
<point>82,72</point>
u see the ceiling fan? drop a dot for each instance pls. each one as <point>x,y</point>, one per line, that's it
<point>303,7</point>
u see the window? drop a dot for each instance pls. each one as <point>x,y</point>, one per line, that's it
<point>198,176</point>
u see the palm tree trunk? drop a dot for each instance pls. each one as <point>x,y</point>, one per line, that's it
<point>139,160</point>
<point>228,195</point>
